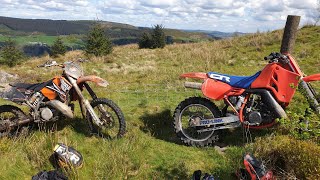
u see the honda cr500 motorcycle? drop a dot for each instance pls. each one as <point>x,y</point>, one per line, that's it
<point>48,101</point>
<point>254,101</point>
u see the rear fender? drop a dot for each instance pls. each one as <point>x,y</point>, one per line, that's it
<point>98,80</point>
<point>194,75</point>
<point>314,77</point>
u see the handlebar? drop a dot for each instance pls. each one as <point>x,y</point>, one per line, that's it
<point>268,57</point>
<point>277,57</point>
<point>48,64</point>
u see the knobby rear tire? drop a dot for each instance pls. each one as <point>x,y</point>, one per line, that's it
<point>119,115</point>
<point>18,113</point>
<point>178,124</point>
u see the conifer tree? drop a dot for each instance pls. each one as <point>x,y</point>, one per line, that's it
<point>97,42</point>
<point>145,41</point>
<point>10,54</point>
<point>58,48</point>
<point>158,37</point>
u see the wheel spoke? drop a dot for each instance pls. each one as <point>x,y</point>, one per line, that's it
<point>192,114</point>
<point>112,118</point>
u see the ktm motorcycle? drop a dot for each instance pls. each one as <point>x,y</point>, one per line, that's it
<point>51,100</point>
<point>251,101</point>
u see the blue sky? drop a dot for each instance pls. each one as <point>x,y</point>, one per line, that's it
<point>220,15</point>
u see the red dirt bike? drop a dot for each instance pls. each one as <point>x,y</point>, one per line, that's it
<point>51,100</point>
<point>255,101</point>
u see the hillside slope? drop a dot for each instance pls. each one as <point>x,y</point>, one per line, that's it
<point>146,86</point>
<point>55,27</point>
<point>118,32</point>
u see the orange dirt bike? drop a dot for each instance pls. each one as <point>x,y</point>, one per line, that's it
<point>251,101</point>
<point>48,101</point>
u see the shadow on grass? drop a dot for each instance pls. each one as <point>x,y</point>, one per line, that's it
<point>240,136</point>
<point>159,125</point>
<point>78,124</point>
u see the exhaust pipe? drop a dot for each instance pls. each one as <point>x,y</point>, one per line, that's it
<point>269,99</point>
<point>63,108</point>
<point>193,85</point>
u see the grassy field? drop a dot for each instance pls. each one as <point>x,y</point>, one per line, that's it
<point>145,84</point>
<point>70,40</point>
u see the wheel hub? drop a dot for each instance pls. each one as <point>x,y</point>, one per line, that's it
<point>194,121</point>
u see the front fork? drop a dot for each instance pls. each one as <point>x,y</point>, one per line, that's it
<point>311,94</point>
<point>84,102</point>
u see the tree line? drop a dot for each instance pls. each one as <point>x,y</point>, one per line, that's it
<point>97,43</point>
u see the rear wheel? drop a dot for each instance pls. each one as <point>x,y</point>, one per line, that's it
<point>189,112</point>
<point>110,114</point>
<point>9,115</point>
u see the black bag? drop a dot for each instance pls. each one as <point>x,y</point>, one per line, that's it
<point>197,176</point>
<point>49,175</point>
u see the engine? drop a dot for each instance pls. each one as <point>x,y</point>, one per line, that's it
<point>257,112</point>
<point>46,114</point>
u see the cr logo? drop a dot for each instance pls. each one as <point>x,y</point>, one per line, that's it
<point>220,77</point>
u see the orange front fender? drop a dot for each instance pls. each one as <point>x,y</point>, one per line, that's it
<point>98,80</point>
<point>195,75</point>
<point>314,77</point>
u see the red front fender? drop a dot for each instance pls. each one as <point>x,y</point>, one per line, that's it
<point>314,77</point>
<point>98,80</point>
<point>194,75</point>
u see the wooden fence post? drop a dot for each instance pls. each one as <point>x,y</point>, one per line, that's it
<point>289,34</point>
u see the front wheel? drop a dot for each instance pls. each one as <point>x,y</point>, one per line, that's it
<point>114,125</point>
<point>189,112</point>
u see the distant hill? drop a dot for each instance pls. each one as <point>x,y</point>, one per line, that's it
<point>218,34</point>
<point>49,27</point>
<point>118,32</point>
<point>62,27</point>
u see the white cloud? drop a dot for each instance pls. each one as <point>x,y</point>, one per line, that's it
<point>159,3</point>
<point>302,4</point>
<point>226,15</point>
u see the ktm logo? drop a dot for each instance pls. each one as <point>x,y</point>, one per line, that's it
<point>220,77</point>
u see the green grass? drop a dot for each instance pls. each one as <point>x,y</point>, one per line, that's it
<point>145,84</point>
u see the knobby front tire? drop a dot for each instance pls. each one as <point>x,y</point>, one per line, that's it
<point>114,125</point>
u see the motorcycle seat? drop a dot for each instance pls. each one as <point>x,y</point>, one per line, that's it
<point>234,81</point>
<point>32,87</point>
